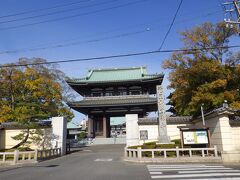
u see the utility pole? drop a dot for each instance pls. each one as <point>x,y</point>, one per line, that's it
<point>203,119</point>
<point>232,13</point>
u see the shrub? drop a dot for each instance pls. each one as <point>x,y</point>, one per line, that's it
<point>133,147</point>
<point>177,142</point>
<point>166,146</point>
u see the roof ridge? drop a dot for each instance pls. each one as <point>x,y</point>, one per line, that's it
<point>122,68</point>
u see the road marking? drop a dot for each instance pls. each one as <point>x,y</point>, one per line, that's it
<point>209,171</point>
<point>103,160</point>
<point>195,172</point>
<point>184,165</point>
<point>174,166</point>
<point>194,175</point>
<point>189,169</point>
<point>155,172</point>
<point>225,178</point>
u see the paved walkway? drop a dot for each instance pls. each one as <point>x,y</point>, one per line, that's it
<point>105,163</point>
<point>92,163</point>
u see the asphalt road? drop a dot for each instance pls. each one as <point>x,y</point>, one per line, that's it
<point>105,163</point>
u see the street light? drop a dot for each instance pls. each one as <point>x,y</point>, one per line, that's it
<point>203,120</point>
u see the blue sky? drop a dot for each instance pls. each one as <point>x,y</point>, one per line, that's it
<point>133,27</point>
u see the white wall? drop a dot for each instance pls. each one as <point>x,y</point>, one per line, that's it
<point>132,130</point>
<point>215,131</point>
<point>172,130</point>
<point>236,137</point>
<point>222,134</point>
<point>8,142</point>
<point>152,132</point>
<point>59,130</point>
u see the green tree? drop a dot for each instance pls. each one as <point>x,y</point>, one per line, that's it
<point>204,76</point>
<point>29,94</point>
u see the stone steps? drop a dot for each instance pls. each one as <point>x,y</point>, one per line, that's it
<point>97,141</point>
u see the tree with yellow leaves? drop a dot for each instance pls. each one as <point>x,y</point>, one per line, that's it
<point>206,76</point>
<point>29,94</point>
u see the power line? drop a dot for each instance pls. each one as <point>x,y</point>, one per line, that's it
<point>52,46</point>
<point>73,16</point>
<point>56,12</point>
<point>78,42</point>
<point>43,9</point>
<point>121,56</point>
<point>171,25</point>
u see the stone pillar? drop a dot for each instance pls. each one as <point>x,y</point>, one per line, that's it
<point>162,124</point>
<point>104,126</point>
<point>59,130</point>
<point>90,127</point>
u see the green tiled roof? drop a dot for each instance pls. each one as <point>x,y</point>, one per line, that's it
<point>112,102</point>
<point>71,125</point>
<point>116,75</point>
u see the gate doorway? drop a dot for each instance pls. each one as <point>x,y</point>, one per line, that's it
<point>118,127</point>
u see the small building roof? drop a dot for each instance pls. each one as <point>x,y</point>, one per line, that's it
<point>16,125</point>
<point>72,125</point>
<point>116,75</point>
<point>235,119</point>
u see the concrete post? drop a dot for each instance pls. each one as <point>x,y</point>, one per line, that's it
<point>177,152</point>
<point>125,152</point>
<point>16,156</point>
<point>215,151</point>
<point>163,137</point>
<point>59,130</point>
<point>139,153</point>
<point>36,155</point>
<point>203,154</point>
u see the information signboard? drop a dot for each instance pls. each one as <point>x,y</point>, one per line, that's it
<point>143,135</point>
<point>195,137</point>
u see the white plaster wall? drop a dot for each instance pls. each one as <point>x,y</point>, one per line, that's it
<point>9,142</point>
<point>152,132</point>
<point>226,134</point>
<point>59,130</point>
<point>236,137</point>
<point>173,131</point>
<point>222,134</point>
<point>215,131</point>
<point>132,130</point>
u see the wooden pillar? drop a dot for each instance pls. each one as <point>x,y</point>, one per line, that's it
<point>90,127</point>
<point>104,126</point>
